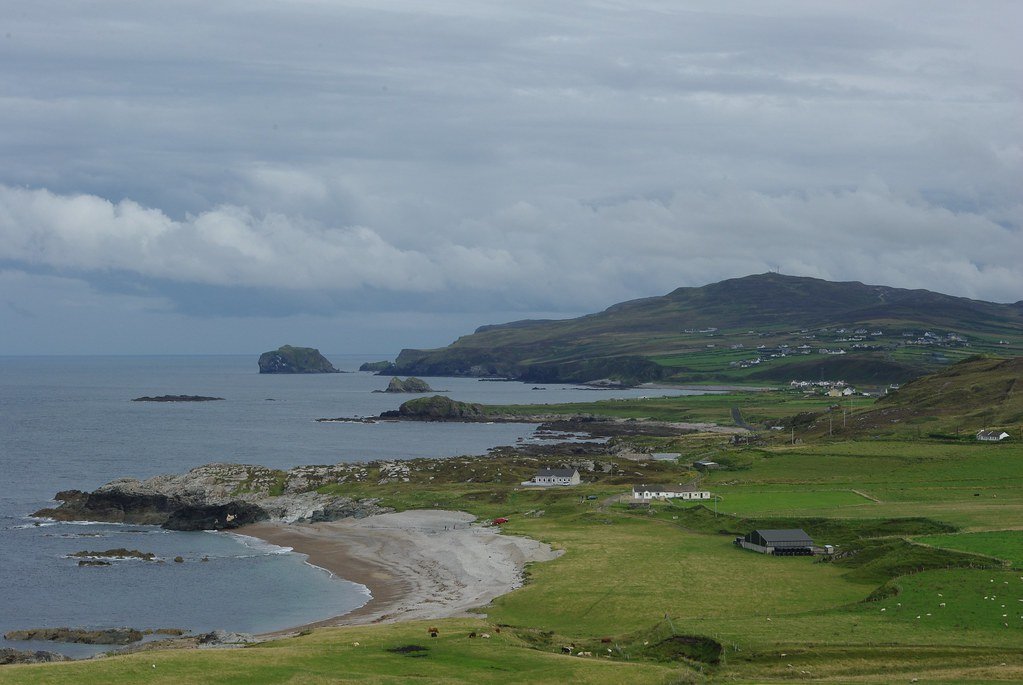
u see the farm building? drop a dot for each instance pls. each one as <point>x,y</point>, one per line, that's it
<point>706,465</point>
<point>547,477</point>
<point>685,492</point>
<point>786,542</point>
<point>992,435</point>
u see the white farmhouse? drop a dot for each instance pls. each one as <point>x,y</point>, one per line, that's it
<point>684,492</point>
<point>548,477</point>
<point>992,435</point>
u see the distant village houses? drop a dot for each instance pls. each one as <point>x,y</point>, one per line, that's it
<point>683,492</point>
<point>549,477</point>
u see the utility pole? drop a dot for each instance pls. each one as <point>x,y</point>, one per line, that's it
<point>829,425</point>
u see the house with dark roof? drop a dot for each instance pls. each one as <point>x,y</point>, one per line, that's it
<point>780,542</point>
<point>684,492</point>
<point>548,477</point>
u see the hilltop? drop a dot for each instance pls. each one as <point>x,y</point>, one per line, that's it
<point>766,327</point>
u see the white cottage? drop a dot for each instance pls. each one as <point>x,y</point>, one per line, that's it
<point>992,435</point>
<point>684,492</point>
<point>547,477</point>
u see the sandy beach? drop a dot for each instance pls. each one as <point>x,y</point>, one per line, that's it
<point>422,564</point>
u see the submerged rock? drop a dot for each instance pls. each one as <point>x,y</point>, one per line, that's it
<point>108,636</point>
<point>178,398</point>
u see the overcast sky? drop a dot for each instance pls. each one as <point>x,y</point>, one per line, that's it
<point>230,176</point>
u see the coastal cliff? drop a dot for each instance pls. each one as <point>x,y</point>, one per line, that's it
<point>288,359</point>
<point>217,497</point>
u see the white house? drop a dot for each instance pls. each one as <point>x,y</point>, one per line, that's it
<point>685,492</point>
<point>992,435</point>
<point>547,477</point>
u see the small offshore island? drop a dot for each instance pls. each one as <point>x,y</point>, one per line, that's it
<point>288,359</point>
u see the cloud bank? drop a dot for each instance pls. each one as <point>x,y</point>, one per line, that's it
<point>314,158</point>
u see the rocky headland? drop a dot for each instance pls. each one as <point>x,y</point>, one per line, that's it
<point>377,367</point>
<point>288,359</point>
<point>218,497</point>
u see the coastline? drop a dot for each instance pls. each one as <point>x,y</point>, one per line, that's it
<point>420,564</point>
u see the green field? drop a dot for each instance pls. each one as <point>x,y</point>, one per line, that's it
<point>1003,544</point>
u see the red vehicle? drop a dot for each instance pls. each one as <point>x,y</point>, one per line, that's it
<point>498,521</point>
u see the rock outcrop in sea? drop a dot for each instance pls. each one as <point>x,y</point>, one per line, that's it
<point>438,408</point>
<point>410,384</point>
<point>288,359</point>
<point>217,497</point>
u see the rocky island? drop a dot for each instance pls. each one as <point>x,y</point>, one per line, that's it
<point>288,359</point>
<point>410,384</point>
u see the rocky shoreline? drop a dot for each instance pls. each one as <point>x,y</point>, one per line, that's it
<point>216,497</point>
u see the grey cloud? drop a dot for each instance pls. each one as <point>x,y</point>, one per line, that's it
<point>544,156</point>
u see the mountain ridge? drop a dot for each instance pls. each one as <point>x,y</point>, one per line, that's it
<point>655,338</point>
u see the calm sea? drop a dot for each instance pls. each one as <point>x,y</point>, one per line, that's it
<point>69,423</point>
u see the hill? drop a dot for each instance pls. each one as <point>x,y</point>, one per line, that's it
<point>766,327</point>
<point>975,394</point>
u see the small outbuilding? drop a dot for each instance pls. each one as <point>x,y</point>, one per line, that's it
<point>783,542</point>
<point>706,465</point>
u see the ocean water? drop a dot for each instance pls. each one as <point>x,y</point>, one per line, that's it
<point>69,423</point>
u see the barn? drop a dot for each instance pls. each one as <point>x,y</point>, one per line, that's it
<point>782,542</point>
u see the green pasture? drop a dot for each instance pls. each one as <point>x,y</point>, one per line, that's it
<point>1002,544</point>
<point>714,407</point>
<point>358,655</point>
<point>738,500</point>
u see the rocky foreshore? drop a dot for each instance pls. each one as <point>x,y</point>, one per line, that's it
<point>217,497</point>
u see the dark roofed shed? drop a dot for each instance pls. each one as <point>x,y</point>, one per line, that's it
<point>780,538</point>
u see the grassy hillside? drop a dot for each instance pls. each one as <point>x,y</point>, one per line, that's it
<point>976,394</point>
<point>764,327</point>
